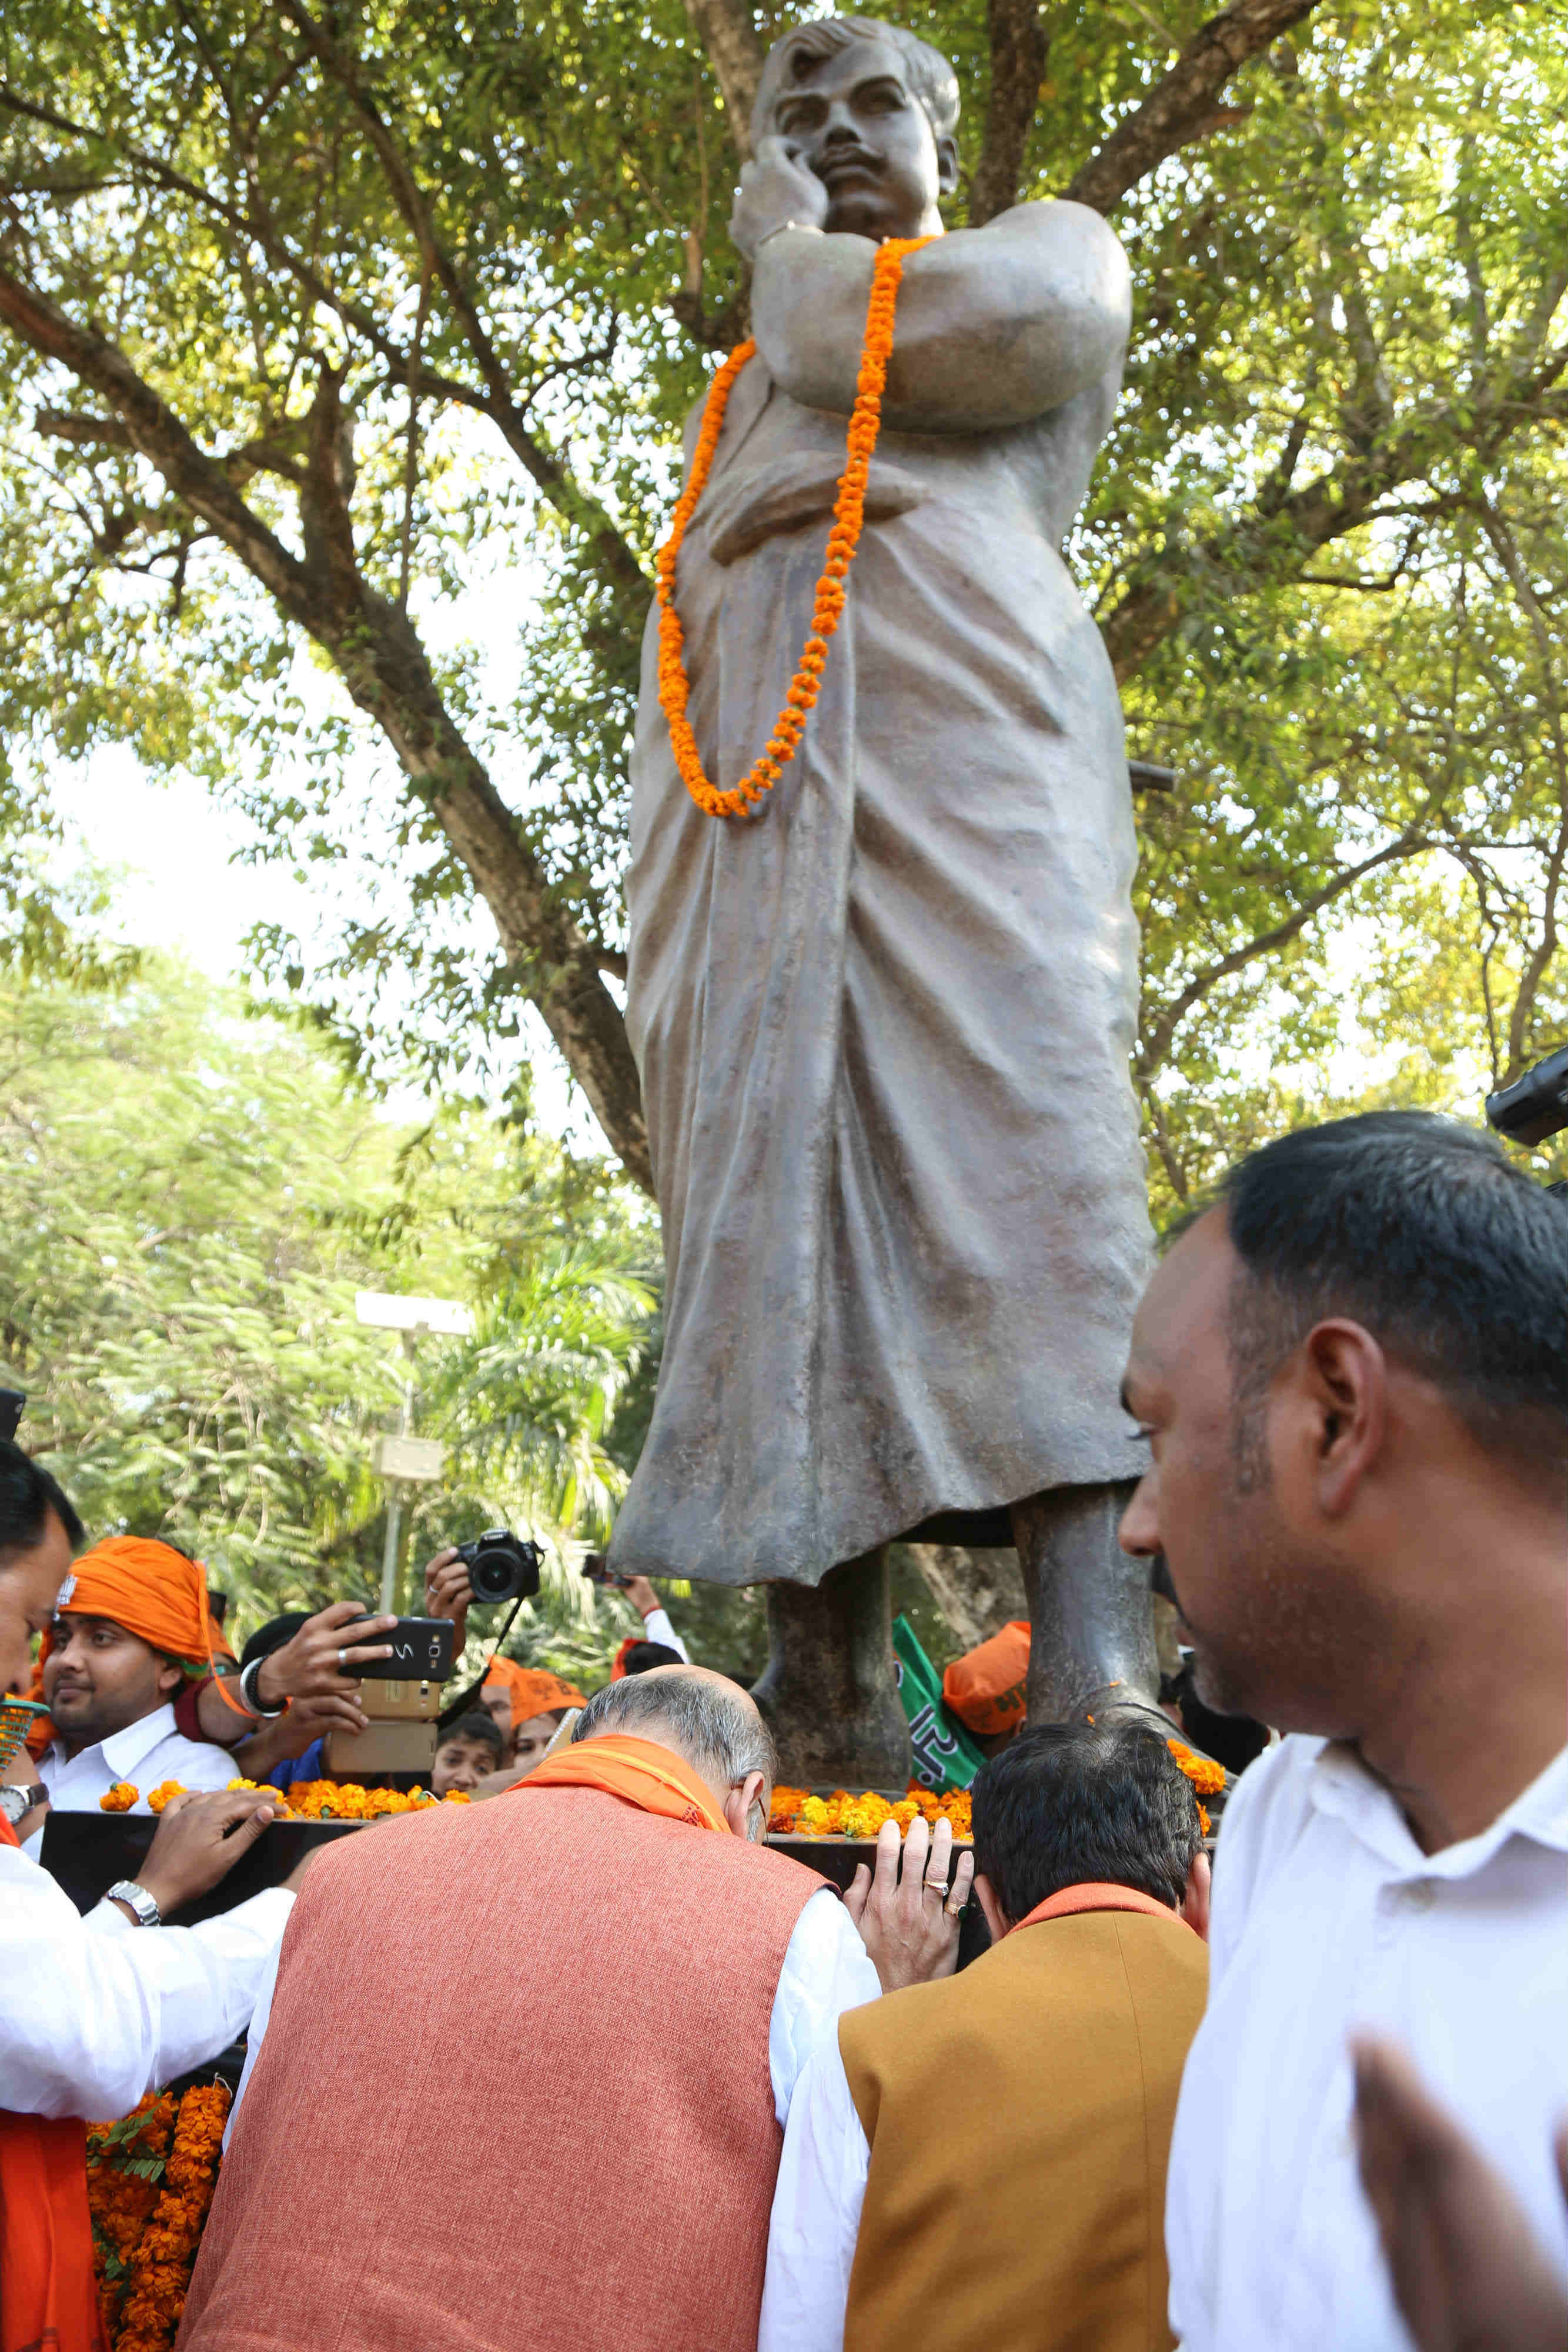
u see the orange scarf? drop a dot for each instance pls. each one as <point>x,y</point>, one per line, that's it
<point>638,1771</point>
<point>48,2296</point>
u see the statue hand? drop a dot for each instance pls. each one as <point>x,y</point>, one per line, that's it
<point>775,192</point>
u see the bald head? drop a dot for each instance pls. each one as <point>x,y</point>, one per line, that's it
<point>703,1717</point>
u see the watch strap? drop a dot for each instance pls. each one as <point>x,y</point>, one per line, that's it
<point>136,1899</point>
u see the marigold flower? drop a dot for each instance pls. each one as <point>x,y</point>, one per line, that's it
<point>120,1798</point>
<point>849,516</point>
<point>1206,1776</point>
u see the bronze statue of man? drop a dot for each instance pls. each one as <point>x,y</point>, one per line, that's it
<point>884,1025</point>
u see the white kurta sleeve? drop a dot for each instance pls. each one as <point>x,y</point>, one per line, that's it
<point>96,2014</point>
<point>816,2213</point>
<point>826,1971</point>
<point>656,1627</point>
<point>261,2018</point>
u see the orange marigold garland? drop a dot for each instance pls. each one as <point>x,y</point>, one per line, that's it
<point>797,1814</point>
<point>124,2170</point>
<point>161,2266</point>
<point>849,514</point>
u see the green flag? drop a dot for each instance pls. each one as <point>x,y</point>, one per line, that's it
<point>945,1755</point>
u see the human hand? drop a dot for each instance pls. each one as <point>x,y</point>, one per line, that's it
<point>448,1593</point>
<point>198,1840</point>
<point>1468,2270</point>
<point>775,192</point>
<point>317,1662</point>
<point>908,1920</point>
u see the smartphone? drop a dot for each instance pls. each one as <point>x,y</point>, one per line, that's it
<point>597,1570</point>
<point>420,1652</point>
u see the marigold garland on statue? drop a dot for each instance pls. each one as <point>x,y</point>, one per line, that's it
<point>849,514</point>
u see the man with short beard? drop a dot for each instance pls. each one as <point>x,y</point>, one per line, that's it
<point>1352,1376</point>
<point>132,1626</point>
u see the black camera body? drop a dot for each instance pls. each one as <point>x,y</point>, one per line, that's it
<point>501,1567</point>
<point>1536,1106</point>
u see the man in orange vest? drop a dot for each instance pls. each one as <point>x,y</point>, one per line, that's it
<point>981,2162</point>
<point>614,1925</point>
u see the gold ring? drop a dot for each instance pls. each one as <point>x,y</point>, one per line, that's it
<point>937,1886</point>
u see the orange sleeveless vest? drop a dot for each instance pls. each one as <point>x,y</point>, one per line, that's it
<point>514,2093</point>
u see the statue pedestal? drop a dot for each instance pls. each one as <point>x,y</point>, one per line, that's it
<point>828,1691</point>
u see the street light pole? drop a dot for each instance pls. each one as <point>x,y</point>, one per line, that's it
<point>393,1548</point>
<point>404,1457</point>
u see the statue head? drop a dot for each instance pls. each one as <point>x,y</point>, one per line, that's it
<point>871,111</point>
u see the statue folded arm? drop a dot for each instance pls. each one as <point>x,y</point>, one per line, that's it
<point>996,325</point>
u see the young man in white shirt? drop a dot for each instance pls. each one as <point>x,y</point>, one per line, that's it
<point>1352,1379</point>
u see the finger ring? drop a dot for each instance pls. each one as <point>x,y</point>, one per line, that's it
<point>341,1654</point>
<point>937,1886</point>
<point>954,1910</point>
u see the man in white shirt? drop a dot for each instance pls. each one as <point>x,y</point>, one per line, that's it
<point>131,1627</point>
<point>97,2012</point>
<point>1353,1380</point>
<point>101,2009</point>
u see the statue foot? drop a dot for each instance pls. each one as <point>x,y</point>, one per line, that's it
<point>829,1692</point>
<point>1092,1643</point>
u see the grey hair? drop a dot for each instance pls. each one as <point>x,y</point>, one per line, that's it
<point>931,79</point>
<point>707,1724</point>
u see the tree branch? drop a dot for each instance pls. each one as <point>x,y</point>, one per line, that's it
<point>1182,106</point>
<point>1018,49</point>
<point>383,665</point>
<point>729,38</point>
<point>1158,1041</point>
<point>619,564</point>
<point>1255,547</point>
<point>621,569</point>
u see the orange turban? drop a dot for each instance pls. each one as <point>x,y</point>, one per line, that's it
<point>533,1691</point>
<point>986,1688</point>
<point>152,1590</point>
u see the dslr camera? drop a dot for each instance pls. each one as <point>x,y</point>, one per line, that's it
<point>500,1565</point>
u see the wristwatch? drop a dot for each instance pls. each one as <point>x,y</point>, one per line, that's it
<point>125,1890</point>
<point>17,1803</point>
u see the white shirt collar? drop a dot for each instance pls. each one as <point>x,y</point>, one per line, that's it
<point>1341,1786</point>
<point>122,1751</point>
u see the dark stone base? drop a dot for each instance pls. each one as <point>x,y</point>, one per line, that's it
<point>828,1691</point>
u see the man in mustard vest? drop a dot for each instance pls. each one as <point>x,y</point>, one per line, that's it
<point>981,2161</point>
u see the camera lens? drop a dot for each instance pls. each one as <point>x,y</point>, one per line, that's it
<point>500,1568</point>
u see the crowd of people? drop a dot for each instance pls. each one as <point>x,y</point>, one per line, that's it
<point>1319,2099</point>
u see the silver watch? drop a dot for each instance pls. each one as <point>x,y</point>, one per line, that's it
<point>125,1890</point>
<point>17,1803</point>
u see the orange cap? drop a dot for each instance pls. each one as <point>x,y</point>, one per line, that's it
<point>533,1691</point>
